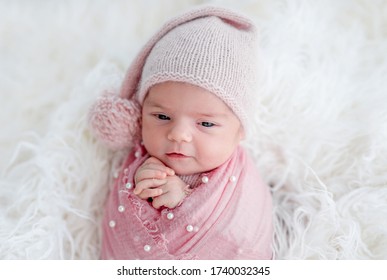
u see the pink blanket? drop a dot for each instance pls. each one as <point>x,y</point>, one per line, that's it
<point>227,216</point>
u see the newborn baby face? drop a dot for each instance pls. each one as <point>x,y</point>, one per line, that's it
<point>188,128</point>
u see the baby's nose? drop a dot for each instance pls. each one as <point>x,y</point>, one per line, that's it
<point>180,133</point>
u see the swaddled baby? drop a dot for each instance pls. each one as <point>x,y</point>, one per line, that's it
<point>187,189</point>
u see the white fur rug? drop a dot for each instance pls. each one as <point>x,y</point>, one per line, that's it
<point>321,117</point>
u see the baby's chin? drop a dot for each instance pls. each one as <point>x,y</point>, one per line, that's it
<point>185,167</point>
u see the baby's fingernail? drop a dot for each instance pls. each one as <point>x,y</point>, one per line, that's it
<point>171,172</point>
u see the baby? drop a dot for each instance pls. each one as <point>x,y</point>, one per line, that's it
<point>187,130</point>
<point>187,189</point>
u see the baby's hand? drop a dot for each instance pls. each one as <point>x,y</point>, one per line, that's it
<point>154,179</point>
<point>149,176</point>
<point>173,193</point>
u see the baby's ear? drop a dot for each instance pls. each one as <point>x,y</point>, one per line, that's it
<point>242,133</point>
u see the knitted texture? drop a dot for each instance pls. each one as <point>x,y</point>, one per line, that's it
<point>209,52</point>
<point>210,47</point>
<point>115,121</point>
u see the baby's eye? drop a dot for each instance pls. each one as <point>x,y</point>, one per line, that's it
<point>207,124</point>
<point>162,117</point>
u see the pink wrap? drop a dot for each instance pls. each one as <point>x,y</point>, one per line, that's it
<point>229,217</point>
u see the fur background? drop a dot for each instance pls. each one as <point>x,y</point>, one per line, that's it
<point>321,120</point>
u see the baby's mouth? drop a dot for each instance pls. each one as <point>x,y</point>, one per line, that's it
<point>176,155</point>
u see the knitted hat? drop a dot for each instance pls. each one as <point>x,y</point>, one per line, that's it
<point>210,47</point>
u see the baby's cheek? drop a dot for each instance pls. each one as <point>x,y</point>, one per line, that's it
<point>219,154</point>
<point>151,144</point>
<point>210,158</point>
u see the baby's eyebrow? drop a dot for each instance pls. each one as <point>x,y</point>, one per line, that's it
<point>205,114</point>
<point>154,104</point>
<point>213,115</point>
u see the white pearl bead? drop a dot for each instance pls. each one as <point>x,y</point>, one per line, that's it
<point>232,179</point>
<point>147,248</point>
<point>170,216</point>
<point>112,223</point>
<point>205,179</point>
<point>128,185</point>
<point>189,228</point>
<point>137,154</point>
<point>115,174</point>
<point>121,208</point>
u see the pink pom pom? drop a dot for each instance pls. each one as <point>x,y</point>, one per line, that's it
<point>116,121</point>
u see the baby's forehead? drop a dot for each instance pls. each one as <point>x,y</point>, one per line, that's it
<point>184,95</point>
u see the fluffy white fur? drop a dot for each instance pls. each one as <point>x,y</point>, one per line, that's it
<point>321,121</point>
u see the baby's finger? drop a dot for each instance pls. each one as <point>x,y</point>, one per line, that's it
<point>169,171</point>
<point>150,193</point>
<point>145,173</point>
<point>159,166</point>
<point>159,201</point>
<point>148,184</point>
<point>156,163</point>
<point>164,200</point>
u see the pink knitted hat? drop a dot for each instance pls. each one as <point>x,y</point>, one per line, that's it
<point>210,47</point>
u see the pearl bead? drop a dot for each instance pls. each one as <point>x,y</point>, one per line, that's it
<point>112,223</point>
<point>205,179</point>
<point>121,208</point>
<point>170,216</point>
<point>189,228</point>
<point>115,174</point>
<point>232,179</point>
<point>137,154</point>
<point>128,185</point>
<point>147,248</point>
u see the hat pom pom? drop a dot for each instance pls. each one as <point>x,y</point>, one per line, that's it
<point>115,121</point>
